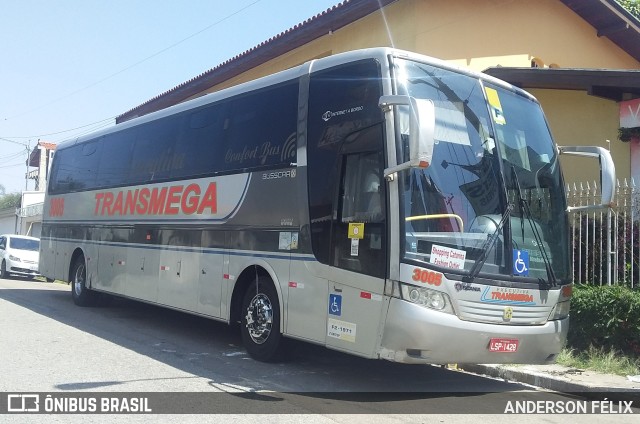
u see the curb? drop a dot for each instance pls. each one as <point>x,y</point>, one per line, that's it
<point>558,383</point>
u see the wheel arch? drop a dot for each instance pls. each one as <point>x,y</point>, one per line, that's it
<point>246,277</point>
<point>74,257</point>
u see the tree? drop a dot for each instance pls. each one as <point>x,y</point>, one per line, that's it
<point>12,200</point>
<point>633,6</point>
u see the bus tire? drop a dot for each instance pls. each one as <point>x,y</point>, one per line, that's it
<point>260,321</point>
<point>82,296</point>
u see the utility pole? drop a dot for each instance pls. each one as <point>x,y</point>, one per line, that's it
<point>26,176</point>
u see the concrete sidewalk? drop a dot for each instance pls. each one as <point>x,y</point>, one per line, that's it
<point>563,379</point>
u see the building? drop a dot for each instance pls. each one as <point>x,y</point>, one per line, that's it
<point>27,220</point>
<point>580,58</point>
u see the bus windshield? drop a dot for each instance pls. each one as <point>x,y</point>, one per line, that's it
<point>492,200</point>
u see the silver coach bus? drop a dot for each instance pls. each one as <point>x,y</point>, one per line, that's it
<point>376,202</point>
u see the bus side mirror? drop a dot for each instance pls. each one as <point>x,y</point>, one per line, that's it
<point>607,173</point>
<point>422,122</point>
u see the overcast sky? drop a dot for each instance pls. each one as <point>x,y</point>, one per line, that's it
<point>68,67</point>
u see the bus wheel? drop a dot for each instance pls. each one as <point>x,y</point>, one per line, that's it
<point>260,322</point>
<point>81,295</point>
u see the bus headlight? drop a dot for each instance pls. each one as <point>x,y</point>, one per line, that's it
<point>428,298</point>
<point>560,311</point>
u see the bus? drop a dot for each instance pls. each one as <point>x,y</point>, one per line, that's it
<point>377,202</point>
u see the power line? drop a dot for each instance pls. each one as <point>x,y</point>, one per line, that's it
<point>60,132</point>
<point>138,62</point>
<point>14,142</point>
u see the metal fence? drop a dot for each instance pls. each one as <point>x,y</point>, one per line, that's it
<point>605,242</point>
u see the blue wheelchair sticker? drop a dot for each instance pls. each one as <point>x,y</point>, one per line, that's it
<point>520,262</point>
<point>335,304</point>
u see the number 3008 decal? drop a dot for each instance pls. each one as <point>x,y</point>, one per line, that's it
<point>428,277</point>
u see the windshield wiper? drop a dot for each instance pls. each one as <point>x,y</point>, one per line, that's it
<point>526,211</point>
<point>487,246</point>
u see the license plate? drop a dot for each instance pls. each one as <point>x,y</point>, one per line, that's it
<point>503,345</point>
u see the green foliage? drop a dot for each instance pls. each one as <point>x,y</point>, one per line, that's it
<point>633,6</point>
<point>10,200</point>
<point>628,134</point>
<point>600,360</point>
<point>605,317</point>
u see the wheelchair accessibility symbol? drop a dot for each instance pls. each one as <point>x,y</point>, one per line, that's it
<point>335,304</point>
<point>520,262</point>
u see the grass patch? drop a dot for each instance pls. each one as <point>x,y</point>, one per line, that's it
<point>600,360</point>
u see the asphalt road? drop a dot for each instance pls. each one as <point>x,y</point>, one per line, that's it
<point>47,344</point>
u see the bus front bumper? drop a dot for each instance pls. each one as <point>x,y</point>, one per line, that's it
<point>414,334</point>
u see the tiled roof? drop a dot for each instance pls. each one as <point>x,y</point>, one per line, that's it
<point>46,145</point>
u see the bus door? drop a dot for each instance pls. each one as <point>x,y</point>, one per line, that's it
<point>347,201</point>
<point>358,255</point>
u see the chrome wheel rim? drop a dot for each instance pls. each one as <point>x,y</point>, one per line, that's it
<point>259,318</point>
<point>78,280</point>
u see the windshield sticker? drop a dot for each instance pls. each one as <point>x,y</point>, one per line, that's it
<point>355,247</point>
<point>447,257</point>
<point>356,230</point>
<point>496,107</point>
<point>520,262</point>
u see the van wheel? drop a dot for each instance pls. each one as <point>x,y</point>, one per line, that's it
<point>260,321</point>
<point>82,296</point>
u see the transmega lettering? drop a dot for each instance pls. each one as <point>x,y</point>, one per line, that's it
<point>171,200</point>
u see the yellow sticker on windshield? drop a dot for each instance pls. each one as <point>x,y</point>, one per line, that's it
<point>356,230</point>
<point>495,106</point>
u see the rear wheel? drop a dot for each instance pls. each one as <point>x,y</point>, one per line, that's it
<point>82,296</point>
<point>260,322</point>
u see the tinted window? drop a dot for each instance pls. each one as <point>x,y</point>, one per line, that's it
<point>260,129</point>
<point>199,144</point>
<point>76,167</point>
<point>253,130</point>
<point>152,157</point>
<point>115,158</point>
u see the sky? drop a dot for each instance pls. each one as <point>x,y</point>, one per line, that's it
<point>69,67</point>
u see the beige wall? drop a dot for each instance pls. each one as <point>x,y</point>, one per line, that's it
<point>482,33</point>
<point>576,118</point>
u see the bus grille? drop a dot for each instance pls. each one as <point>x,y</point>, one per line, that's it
<point>495,314</point>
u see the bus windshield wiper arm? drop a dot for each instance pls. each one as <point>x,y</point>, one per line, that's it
<point>488,245</point>
<point>525,211</point>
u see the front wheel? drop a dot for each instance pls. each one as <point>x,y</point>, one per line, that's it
<point>82,296</point>
<point>3,270</point>
<point>260,322</point>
